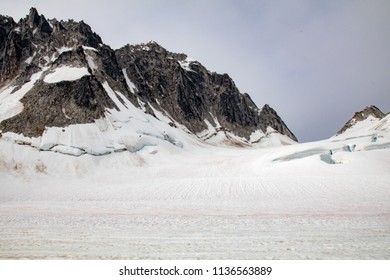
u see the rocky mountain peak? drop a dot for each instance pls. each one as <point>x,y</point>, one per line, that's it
<point>61,74</point>
<point>33,17</point>
<point>191,94</point>
<point>361,116</point>
<point>370,110</point>
<point>270,118</point>
<point>82,33</point>
<point>27,46</point>
<point>36,24</point>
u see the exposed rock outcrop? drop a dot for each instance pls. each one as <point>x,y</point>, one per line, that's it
<point>361,116</point>
<point>191,94</point>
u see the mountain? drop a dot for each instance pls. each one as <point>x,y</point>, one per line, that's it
<point>192,95</point>
<point>181,191</point>
<point>369,119</point>
<point>63,89</point>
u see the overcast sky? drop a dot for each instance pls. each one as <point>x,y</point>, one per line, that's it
<point>315,62</point>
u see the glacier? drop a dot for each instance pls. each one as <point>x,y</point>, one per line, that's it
<point>200,201</point>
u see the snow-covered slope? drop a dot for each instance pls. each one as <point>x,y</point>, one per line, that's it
<point>371,126</point>
<point>364,121</point>
<point>316,200</point>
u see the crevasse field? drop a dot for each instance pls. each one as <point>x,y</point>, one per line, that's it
<point>200,201</point>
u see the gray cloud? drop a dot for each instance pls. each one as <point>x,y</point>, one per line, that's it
<point>315,62</point>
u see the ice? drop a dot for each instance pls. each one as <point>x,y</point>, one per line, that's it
<point>200,201</point>
<point>66,73</point>
<point>87,137</point>
<point>68,150</point>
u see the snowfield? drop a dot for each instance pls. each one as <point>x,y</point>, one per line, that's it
<point>200,201</point>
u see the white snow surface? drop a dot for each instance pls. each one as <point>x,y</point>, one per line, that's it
<point>197,201</point>
<point>64,49</point>
<point>10,104</point>
<point>129,83</point>
<point>66,73</point>
<point>369,126</point>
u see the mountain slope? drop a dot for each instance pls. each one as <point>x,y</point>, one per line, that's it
<point>59,80</point>
<point>191,94</point>
<point>367,117</point>
<point>370,125</point>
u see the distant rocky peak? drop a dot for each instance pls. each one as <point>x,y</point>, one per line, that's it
<point>365,113</point>
<point>33,17</point>
<point>37,23</point>
<point>361,116</point>
<point>270,118</point>
<point>370,110</point>
<point>65,32</point>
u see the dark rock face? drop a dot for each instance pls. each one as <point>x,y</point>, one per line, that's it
<point>269,117</point>
<point>184,90</point>
<point>33,45</point>
<point>61,104</point>
<point>34,37</point>
<point>361,116</point>
<point>190,94</point>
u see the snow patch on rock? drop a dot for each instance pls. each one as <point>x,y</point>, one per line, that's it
<point>66,73</point>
